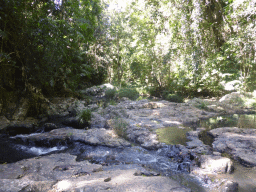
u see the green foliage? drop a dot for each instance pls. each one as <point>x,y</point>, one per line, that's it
<point>237,101</point>
<point>130,93</point>
<point>112,102</point>
<point>46,45</point>
<point>193,51</point>
<point>110,94</point>
<point>154,91</point>
<point>85,116</point>
<point>120,127</point>
<point>174,98</point>
<point>202,105</point>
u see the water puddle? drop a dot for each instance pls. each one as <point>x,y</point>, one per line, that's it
<point>235,120</point>
<point>173,135</point>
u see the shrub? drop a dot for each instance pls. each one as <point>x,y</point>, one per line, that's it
<point>120,127</point>
<point>112,102</point>
<point>85,116</point>
<point>130,93</point>
<point>110,94</point>
<point>154,91</point>
<point>174,98</point>
<point>202,105</point>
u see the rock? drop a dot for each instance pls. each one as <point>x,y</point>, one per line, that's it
<point>92,136</point>
<point>22,127</point>
<point>216,164</point>
<point>21,113</point>
<point>232,98</point>
<point>210,167</point>
<point>77,107</point>
<point>229,186</point>
<point>107,179</point>
<point>49,126</point>
<point>98,91</point>
<point>195,144</point>
<point>98,121</point>
<point>145,173</point>
<point>61,172</point>
<point>107,86</point>
<point>238,142</point>
<point>4,122</point>
<point>75,122</point>
<point>60,107</point>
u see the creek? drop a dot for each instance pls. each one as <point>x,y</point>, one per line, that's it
<point>245,176</point>
<point>12,150</point>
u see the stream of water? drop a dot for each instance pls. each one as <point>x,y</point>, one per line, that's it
<point>157,160</point>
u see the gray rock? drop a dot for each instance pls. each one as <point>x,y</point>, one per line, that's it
<point>61,172</point>
<point>240,143</point>
<point>92,136</point>
<point>229,186</point>
<point>216,164</point>
<point>21,127</point>
<point>60,107</point>
<point>21,113</point>
<point>75,122</point>
<point>98,121</point>
<point>49,126</point>
<point>195,144</point>
<point>4,122</point>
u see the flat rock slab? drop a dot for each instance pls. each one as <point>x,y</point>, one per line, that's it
<point>92,136</point>
<point>145,117</point>
<point>61,172</point>
<point>240,143</point>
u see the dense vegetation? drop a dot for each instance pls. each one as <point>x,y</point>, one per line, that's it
<point>168,47</point>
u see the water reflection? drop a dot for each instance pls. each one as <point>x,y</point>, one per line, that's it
<point>235,120</point>
<point>173,135</point>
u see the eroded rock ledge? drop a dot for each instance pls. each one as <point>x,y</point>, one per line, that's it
<point>61,172</point>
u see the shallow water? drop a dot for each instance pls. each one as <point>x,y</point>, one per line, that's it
<point>173,135</point>
<point>235,120</point>
<point>155,160</point>
<point>245,176</point>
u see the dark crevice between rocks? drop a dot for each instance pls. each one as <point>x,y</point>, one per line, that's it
<point>206,138</point>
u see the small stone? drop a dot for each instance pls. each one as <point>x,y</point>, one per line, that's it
<point>107,179</point>
<point>229,186</point>
<point>137,173</point>
<point>97,169</point>
<point>204,113</point>
<point>216,153</point>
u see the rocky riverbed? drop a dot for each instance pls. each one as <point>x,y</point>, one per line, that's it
<point>121,150</point>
